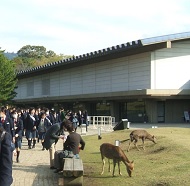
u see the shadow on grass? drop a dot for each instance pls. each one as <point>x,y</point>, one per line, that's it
<point>159,184</point>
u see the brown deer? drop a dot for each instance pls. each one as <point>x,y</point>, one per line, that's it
<point>139,134</point>
<point>116,153</point>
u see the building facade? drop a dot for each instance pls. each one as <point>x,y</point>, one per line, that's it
<point>144,81</point>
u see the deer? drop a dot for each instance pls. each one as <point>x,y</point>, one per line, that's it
<point>115,153</point>
<point>135,135</point>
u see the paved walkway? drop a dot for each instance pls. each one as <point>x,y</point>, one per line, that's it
<point>33,169</point>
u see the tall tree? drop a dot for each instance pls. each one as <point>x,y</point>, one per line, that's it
<point>8,79</point>
<point>32,56</point>
<point>32,51</point>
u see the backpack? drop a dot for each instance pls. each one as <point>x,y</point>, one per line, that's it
<point>75,120</point>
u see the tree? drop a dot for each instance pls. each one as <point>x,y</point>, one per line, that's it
<point>32,56</point>
<point>50,53</point>
<point>8,79</point>
<point>32,51</point>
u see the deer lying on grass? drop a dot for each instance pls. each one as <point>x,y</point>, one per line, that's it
<point>139,134</point>
<point>116,153</point>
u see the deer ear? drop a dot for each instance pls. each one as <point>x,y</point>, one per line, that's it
<point>132,161</point>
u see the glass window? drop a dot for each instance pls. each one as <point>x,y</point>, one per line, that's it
<point>45,87</point>
<point>103,109</point>
<point>133,110</point>
<point>136,111</point>
<point>30,89</point>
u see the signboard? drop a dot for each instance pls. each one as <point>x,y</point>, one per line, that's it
<point>186,115</point>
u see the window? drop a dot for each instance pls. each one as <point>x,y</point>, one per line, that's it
<point>103,109</point>
<point>136,111</point>
<point>30,89</point>
<point>45,87</point>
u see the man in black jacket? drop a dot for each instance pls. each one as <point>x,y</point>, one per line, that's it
<point>5,158</point>
<point>53,134</point>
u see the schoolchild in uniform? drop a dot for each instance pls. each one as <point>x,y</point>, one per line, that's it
<point>43,125</point>
<point>7,123</point>
<point>18,125</point>
<point>31,129</point>
<point>6,178</point>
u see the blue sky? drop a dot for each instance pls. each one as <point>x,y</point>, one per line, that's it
<point>77,27</point>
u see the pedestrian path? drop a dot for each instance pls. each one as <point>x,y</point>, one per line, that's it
<point>33,169</point>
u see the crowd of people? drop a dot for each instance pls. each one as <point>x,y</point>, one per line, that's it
<point>37,125</point>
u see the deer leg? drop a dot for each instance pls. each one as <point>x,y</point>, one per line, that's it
<point>143,143</point>
<point>119,168</point>
<point>103,165</point>
<point>136,144</point>
<point>109,169</point>
<point>129,146</point>
<point>114,163</point>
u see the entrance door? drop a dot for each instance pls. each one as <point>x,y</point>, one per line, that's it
<point>161,111</point>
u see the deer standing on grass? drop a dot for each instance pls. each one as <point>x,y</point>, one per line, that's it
<point>116,153</point>
<point>139,134</point>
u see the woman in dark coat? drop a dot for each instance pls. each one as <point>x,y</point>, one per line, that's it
<point>5,158</point>
<point>53,134</point>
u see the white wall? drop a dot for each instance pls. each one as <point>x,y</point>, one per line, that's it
<point>170,68</point>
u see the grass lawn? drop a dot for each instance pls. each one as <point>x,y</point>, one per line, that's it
<point>166,163</point>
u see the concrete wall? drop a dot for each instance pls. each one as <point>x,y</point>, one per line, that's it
<point>122,74</point>
<point>175,110</point>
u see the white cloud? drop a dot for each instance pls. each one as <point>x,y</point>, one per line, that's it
<point>77,27</point>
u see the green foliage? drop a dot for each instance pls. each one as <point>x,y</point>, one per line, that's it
<point>7,78</point>
<point>29,51</point>
<point>32,56</point>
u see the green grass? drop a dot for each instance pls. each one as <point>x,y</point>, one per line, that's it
<point>166,163</point>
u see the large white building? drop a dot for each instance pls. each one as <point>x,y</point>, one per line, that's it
<point>144,80</point>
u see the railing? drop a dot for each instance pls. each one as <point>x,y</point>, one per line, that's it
<point>105,122</point>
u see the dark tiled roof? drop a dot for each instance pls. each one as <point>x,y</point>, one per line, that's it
<point>91,55</point>
<point>107,51</point>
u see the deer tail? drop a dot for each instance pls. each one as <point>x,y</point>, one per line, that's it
<point>122,141</point>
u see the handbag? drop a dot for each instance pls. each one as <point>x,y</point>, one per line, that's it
<point>12,146</point>
<point>66,154</point>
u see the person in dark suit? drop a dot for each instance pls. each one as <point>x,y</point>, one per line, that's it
<point>7,123</point>
<point>51,138</point>
<point>79,117</point>
<point>43,125</point>
<point>55,118</point>
<point>18,125</point>
<point>31,131</point>
<point>5,158</point>
<point>74,143</point>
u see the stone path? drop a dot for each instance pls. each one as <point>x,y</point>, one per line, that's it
<point>33,169</point>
